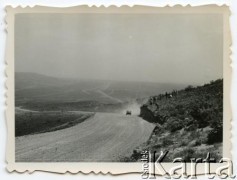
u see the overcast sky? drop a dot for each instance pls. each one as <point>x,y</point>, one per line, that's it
<point>133,47</point>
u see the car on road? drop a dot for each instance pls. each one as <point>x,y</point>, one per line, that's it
<point>128,112</point>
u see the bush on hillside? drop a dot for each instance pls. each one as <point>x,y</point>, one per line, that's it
<point>186,154</point>
<point>173,124</point>
<point>200,115</point>
<point>215,135</point>
<point>188,88</point>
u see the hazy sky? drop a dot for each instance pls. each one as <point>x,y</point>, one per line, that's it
<point>136,47</point>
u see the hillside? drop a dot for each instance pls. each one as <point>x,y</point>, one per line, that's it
<point>189,122</point>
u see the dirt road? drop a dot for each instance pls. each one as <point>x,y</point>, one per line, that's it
<point>105,137</point>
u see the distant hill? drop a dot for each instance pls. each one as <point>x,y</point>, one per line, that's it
<point>32,87</point>
<point>27,80</point>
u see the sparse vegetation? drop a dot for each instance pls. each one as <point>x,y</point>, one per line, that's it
<point>40,122</point>
<point>187,124</point>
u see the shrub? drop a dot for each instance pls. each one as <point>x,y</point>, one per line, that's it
<point>198,142</point>
<point>184,143</point>
<point>173,124</point>
<point>180,108</point>
<point>215,135</point>
<point>167,142</point>
<point>200,115</point>
<point>136,155</point>
<point>188,88</point>
<point>186,154</point>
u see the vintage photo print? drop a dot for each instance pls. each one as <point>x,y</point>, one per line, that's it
<point>109,89</point>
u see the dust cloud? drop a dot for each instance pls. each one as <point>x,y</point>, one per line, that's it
<point>134,107</point>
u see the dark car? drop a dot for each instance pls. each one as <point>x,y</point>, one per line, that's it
<point>128,112</point>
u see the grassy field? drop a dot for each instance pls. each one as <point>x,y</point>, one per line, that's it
<point>40,122</point>
<point>188,125</point>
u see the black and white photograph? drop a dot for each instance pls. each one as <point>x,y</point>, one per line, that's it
<point>107,87</point>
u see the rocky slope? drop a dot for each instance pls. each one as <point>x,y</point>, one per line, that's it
<point>189,122</point>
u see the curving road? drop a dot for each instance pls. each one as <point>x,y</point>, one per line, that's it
<point>106,137</point>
